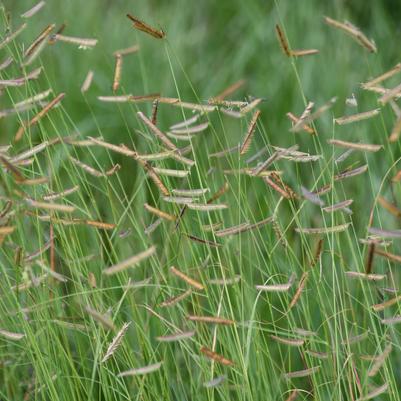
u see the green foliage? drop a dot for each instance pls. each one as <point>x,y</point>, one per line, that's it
<point>209,46</point>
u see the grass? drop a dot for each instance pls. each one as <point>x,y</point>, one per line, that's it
<point>208,47</point>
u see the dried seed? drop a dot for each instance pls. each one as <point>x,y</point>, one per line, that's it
<point>216,357</point>
<point>383,77</point>
<point>354,32</point>
<point>299,126</point>
<point>159,213</point>
<point>39,116</point>
<point>304,52</point>
<point>301,373</point>
<point>11,36</point>
<point>249,107</point>
<point>142,26</point>
<point>390,94</point>
<point>374,393</point>
<point>32,11</point>
<point>50,206</point>
<point>211,319</point>
<point>277,287</point>
<point>87,82</point>
<point>104,320</point>
<point>83,43</point>
<point>186,105</point>
<point>171,172</point>
<point>130,262</point>
<point>277,188</point>
<point>203,241</point>
<point>187,279</point>
<point>11,336</point>
<point>176,336</point>
<point>301,286</point>
<point>311,197</point>
<point>392,320</point>
<point>6,230</point>
<point>40,39</point>
<point>29,153</point>
<point>87,168</point>
<point>224,152</point>
<point>356,117</point>
<point>385,233</point>
<point>283,41</point>
<point>338,206</point>
<point>251,131</point>
<point>142,370</point>
<point>369,260</point>
<point>379,360</point>
<point>396,131</point>
<point>295,120</point>
<point>185,123</point>
<point>318,355</point>
<point>126,51</point>
<point>6,63</point>
<point>112,348</point>
<point>174,300</point>
<point>119,149</point>
<point>384,305</point>
<point>215,382</point>
<point>179,200</point>
<point>351,173</point>
<point>225,281</point>
<point>323,230</point>
<point>387,255</point>
<point>293,396</point>
<point>191,130</point>
<point>228,91</point>
<point>206,207</point>
<point>117,72</point>
<point>289,341</point>
<point>190,192</point>
<point>4,83</point>
<point>233,230</point>
<point>365,276</point>
<point>157,132</point>
<point>357,146</point>
<point>99,224</point>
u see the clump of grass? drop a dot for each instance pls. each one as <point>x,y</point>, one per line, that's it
<point>144,256</point>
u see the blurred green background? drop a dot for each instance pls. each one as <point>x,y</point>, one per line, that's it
<point>209,46</point>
